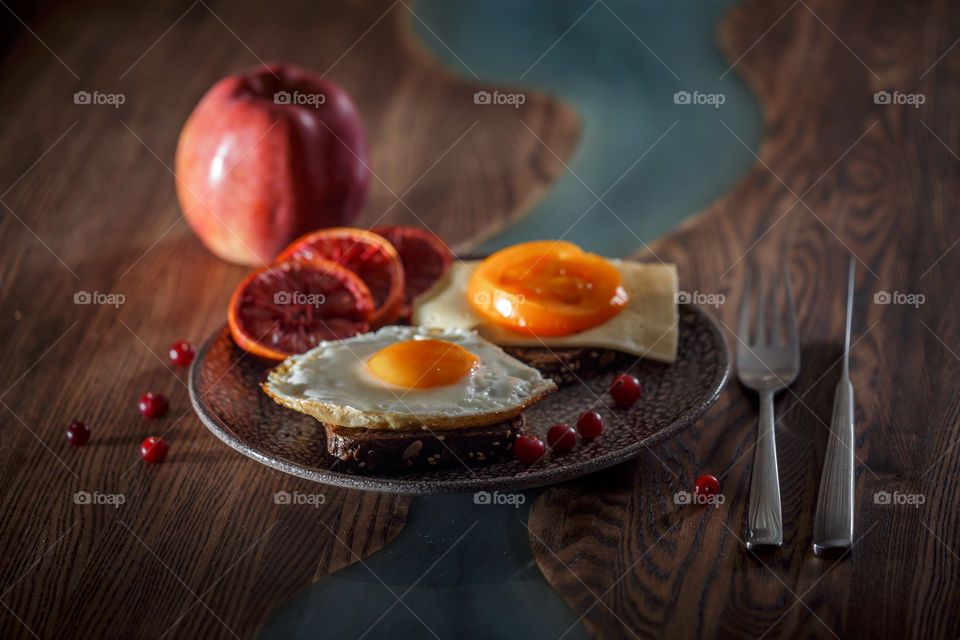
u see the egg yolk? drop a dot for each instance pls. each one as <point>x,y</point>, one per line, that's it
<point>422,364</point>
<point>546,288</point>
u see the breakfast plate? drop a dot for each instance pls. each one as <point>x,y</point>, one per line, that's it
<point>226,394</point>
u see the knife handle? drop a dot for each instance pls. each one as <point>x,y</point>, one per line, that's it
<point>833,521</point>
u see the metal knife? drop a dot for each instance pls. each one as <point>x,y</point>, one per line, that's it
<point>833,520</point>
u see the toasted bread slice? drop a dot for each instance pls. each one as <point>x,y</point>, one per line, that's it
<point>568,365</point>
<point>373,450</point>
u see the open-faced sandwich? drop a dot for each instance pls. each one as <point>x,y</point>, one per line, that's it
<point>490,338</point>
<point>564,311</point>
<point>411,397</point>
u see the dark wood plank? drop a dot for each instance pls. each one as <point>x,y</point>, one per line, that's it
<point>890,199</point>
<point>90,206</point>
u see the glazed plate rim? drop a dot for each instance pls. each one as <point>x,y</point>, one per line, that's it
<point>523,480</point>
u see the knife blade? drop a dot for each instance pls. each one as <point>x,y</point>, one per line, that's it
<point>833,520</point>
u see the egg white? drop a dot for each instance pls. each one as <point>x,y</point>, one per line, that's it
<point>333,383</point>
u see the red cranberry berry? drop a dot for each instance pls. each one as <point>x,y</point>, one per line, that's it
<point>153,449</point>
<point>590,425</point>
<point>706,486</point>
<point>181,353</point>
<point>562,437</point>
<point>625,390</point>
<point>78,434</point>
<point>529,449</point>
<point>154,405</point>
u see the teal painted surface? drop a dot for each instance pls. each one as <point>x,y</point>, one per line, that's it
<point>625,98</point>
<point>463,570</point>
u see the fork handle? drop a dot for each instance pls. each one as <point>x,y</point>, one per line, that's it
<point>833,521</point>
<point>764,520</point>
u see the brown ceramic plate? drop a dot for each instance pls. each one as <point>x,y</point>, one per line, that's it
<point>225,391</point>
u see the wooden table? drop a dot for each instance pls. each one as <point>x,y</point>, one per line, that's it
<point>199,548</point>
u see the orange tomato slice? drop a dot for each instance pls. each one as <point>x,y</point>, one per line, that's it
<point>546,288</point>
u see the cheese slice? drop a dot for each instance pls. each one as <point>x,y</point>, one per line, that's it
<point>646,327</point>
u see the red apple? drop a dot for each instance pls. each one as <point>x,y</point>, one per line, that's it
<point>267,156</point>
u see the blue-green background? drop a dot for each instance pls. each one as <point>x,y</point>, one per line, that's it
<point>624,96</point>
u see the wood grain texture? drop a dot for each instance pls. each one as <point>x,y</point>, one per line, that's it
<point>199,548</point>
<point>879,181</point>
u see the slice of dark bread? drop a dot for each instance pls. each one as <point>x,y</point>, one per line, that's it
<point>566,365</point>
<point>377,450</point>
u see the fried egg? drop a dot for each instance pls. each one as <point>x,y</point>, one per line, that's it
<point>647,326</point>
<point>407,378</point>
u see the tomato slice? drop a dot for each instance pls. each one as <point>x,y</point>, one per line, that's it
<point>368,255</point>
<point>546,288</point>
<point>289,307</point>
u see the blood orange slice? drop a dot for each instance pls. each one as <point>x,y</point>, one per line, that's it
<point>291,306</point>
<point>425,258</point>
<point>368,255</point>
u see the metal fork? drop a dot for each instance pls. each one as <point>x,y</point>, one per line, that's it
<point>767,364</point>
